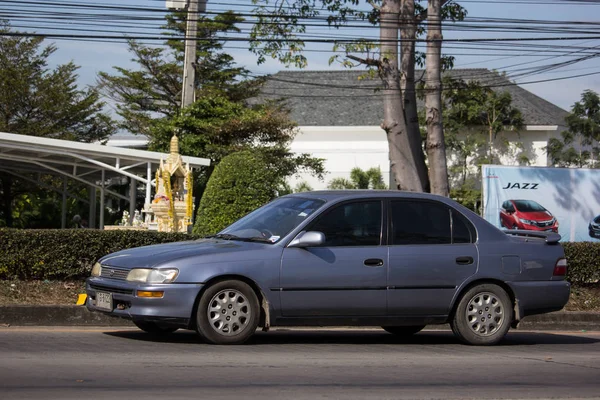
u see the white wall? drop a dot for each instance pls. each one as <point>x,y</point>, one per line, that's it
<point>345,148</point>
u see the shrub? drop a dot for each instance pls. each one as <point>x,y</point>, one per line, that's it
<point>67,253</point>
<point>584,262</point>
<point>241,182</point>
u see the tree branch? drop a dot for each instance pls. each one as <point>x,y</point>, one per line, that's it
<point>372,3</point>
<point>366,61</point>
<point>423,16</point>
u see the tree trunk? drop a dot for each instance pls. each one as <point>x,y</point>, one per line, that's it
<point>408,33</point>
<point>436,149</point>
<point>402,157</point>
<point>7,198</point>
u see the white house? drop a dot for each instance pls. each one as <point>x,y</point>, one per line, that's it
<point>339,117</point>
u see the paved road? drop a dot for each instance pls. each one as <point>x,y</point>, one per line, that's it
<point>103,363</point>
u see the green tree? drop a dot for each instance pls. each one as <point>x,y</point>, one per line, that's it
<point>474,118</point>
<point>359,179</point>
<point>242,182</point>
<point>215,126</point>
<point>220,122</point>
<point>152,91</point>
<point>580,144</point>
<point>278,34</point>
<point>40,101</point>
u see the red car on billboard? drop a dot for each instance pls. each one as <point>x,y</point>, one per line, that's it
<point>527,215</point>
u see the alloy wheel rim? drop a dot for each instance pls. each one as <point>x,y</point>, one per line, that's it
<point>484,314</point>
<point>229,312</point>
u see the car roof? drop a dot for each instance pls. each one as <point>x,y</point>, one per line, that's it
<point>330,195</point>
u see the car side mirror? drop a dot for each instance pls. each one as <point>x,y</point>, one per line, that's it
<point>308,239</point>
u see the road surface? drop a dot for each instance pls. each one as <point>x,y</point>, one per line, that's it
<point>108,363</point>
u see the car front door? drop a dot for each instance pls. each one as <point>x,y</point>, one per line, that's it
<point>346,276</point>
<point>432,251</point>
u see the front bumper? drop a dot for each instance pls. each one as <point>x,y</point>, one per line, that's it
<point>594,231</point>
<point>175,307</point>
<point>540,297</point>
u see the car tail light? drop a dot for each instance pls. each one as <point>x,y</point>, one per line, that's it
<point>560,269</point>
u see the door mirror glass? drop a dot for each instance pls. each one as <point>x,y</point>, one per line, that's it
<point>308,239</point>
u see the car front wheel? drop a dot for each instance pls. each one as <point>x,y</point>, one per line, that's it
<point>483,315</point>
<point>228,313</point>
<point>403,331</point>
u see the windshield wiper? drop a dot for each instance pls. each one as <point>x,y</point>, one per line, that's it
<point>228,236</point>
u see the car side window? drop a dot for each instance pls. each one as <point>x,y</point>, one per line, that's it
<point>418,222</point>
<point>351,224</point>
<point>427,222</point>
<point>460,229</point>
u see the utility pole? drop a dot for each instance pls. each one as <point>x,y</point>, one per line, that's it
<point>189,67</point>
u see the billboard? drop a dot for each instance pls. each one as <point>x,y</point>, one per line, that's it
<point>563,200</point>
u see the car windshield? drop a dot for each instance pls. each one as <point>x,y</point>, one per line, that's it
<point>272,221</point>
<point>528,206</point>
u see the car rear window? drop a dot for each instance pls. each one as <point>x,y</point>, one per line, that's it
<point>417,222</point>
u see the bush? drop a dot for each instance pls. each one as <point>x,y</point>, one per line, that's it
<point>241,182</point>
<point>67,253</point>
<point>584,262</point>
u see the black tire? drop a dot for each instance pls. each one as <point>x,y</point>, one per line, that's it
<point>403,331</point>
<point>496,312</point>
<point>227,333</point>
<point>154,328</point>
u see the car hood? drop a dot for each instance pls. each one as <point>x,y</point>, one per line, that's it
<point>535,215</point>
<point>151,256</point>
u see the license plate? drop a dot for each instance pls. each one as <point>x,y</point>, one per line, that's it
<point>104,301</point>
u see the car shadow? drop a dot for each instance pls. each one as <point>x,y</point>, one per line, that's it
<point>282,336</point>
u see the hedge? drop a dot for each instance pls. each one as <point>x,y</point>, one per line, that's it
<point>583,259</point>
<point>67,253</point>
<point>71,253</point>
<point>241,183</point>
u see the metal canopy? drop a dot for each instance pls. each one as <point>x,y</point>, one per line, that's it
<point>92,164</point>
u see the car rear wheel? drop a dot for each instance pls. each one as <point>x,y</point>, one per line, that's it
<point>483,315</point>
<point>403,331</point>
<point>154,328</point>
<point>228,313</point>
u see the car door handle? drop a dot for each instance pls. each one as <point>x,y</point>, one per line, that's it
<point>464,260</point>
<point>374,262</point>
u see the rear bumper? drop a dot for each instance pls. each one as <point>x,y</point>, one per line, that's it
<point>175,307</point>
<point>540,297</point>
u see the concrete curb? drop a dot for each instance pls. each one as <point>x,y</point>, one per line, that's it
<point>80,316</point>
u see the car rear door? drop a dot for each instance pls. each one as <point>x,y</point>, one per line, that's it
<point>347,275</point>
<point>431,252</point>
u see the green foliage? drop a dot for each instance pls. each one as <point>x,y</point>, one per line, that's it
<point>584,262</point>
<point>41,101</point>
<point>580,144</point>
<point>241,182</point>
<point>66,253</point>
<point>474,119</point>
<point>215,126</point>
<point>359,179</point>
<point>152,91</point>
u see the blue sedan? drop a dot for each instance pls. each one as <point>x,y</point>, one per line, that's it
<point>393,259</point>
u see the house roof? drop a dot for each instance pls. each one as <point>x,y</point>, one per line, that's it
<point>340,98</point>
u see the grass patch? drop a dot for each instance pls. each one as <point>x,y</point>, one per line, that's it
<point>15,292</point>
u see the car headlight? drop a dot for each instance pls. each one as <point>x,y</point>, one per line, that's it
<point>97,269</point>
<point>526,221</point>
<point>147,275</point>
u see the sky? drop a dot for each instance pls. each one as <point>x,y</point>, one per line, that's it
<point>95,57</point>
